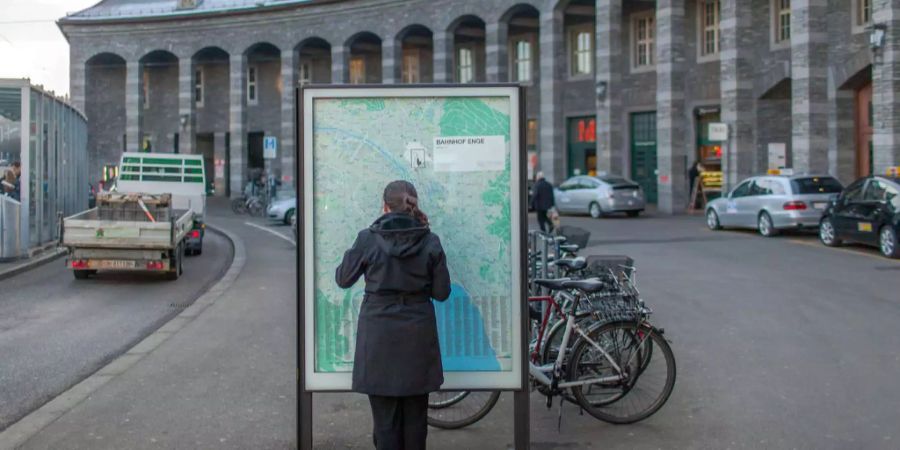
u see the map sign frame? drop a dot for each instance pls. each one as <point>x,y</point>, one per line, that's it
<point>512,374</point>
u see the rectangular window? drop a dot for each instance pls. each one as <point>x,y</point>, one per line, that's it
<point>410,70</point>
<point>252,78</point>
<point>782,20</point>
<point>357,70</point>
<point>709,27</point>
<point>531,133</point>
<point>305,73</point>
<point>145,88</point>
<point>465,65</point>
<point>522,61</point>
<point>198,87</point>
<point>643,30</point>
<point>863,12</point>
<point>582,52</point>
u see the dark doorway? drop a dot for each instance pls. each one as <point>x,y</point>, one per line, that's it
<point>864,130</point>
<point>206,147</point>
<point>583,146</point>
<point>643,153</point>
<point>255,152</point>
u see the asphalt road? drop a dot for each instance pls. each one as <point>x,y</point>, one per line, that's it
<point>55,331</point>
<point>780,343</point>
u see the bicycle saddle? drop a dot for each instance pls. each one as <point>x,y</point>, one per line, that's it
<point>572,263</point>
<point>552,284</point>
<point>590,285</point>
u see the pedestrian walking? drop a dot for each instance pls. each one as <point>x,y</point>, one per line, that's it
<point>398,359</point>
<point>693,174</point>
<point>542,201</point>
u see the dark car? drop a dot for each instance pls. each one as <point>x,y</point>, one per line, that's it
<point>867,212</point>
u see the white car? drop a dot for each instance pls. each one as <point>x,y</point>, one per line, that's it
<point>283,209</point>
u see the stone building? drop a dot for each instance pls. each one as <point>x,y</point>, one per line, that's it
<point>618,86</point>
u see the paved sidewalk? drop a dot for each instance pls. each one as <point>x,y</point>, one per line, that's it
<point>15,267</point>
<point>225,380</point>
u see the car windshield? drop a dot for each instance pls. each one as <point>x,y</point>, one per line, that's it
<point>816,185</point>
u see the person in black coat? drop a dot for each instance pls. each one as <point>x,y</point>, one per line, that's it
<point>542,201</point>
<point>398,358</point>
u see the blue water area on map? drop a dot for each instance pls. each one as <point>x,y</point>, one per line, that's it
<point>465,346</point>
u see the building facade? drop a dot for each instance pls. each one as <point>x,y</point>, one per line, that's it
<point>618,86</point>
<point>47,138</point>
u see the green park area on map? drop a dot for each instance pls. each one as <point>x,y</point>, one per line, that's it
<point>360,145</point>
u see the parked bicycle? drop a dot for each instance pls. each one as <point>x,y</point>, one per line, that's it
<point>592,345</point>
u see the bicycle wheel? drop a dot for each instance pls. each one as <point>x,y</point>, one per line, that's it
<point>256,208</point>
<point>467,408</point>
<point>444,399</point>
<point>239,206</point>
<point>647,370</point>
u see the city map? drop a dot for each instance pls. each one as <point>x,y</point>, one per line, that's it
<point>455,150</point>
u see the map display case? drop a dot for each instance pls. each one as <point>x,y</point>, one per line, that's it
<point>462,148</point>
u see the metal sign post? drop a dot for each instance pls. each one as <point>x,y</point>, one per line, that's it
<point>515,378</point>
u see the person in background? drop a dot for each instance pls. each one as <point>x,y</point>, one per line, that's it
<point>542,201</point>
<point>693,174</point>
<point>398,359</point>
<point>11,181</point>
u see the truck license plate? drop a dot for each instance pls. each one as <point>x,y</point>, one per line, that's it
<point>820,205</point>
<point>113,264</point>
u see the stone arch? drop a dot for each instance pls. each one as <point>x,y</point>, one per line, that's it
<point>158,102</point>
<point>313,60</point>
<point>363,57</point>
<point>105,76</point>
<point>520,25</point>
<point>468,33</point>
<point>414,46</point>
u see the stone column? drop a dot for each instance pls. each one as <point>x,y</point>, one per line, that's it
<point>133,106</point>
<point>497,54</point>
<point>610,64</point>
<point>809,85</point>
<point>186,105</point>
<point>391,61</point>
<point>736,86</point>
<point>552,150</point>
<point>671,33</point>
<point>238,97</point>
<point>219,161</point>
<point>443,57</point>
<point>886,89</point>
<point>77,76</point>
<point>288,145</point>
<point>339,64</point>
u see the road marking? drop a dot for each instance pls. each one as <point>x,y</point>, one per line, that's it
<point>271,231</point>
<point>869,254</point>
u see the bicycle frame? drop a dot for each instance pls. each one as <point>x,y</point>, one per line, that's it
<point>539,373</point>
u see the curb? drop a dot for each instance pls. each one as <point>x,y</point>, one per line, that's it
<point>20,432</point>
<point>32,263</point>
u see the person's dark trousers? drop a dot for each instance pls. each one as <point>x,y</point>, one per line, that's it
<point>401,423</point>
<point>544,221</point>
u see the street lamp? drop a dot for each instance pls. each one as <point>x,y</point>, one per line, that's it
<point>601,90</point>
<point>877,33</point>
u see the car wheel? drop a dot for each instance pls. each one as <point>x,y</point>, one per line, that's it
<point>595,210</point>
<point>887,242</point>
<point>765,226</point>
<point>827,233</point>
<point>287,216</point>
<point>712,220</point>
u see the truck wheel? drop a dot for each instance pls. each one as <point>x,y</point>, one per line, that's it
<point>176,270</point>
<point>82,274</point>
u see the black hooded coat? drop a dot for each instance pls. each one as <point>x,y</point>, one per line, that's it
<point>397,350</point>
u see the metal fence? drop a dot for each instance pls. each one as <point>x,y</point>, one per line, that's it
<point>48,137</point>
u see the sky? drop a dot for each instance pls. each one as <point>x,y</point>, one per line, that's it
<point>31,45</point>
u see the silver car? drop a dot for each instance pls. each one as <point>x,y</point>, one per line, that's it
<point>599,195</point>
<point>774,202</point>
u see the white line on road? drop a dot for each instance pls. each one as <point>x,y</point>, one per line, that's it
<point>269,230</point>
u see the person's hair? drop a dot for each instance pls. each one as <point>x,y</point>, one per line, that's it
<point>17,164</point>
<point>401,196</point>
